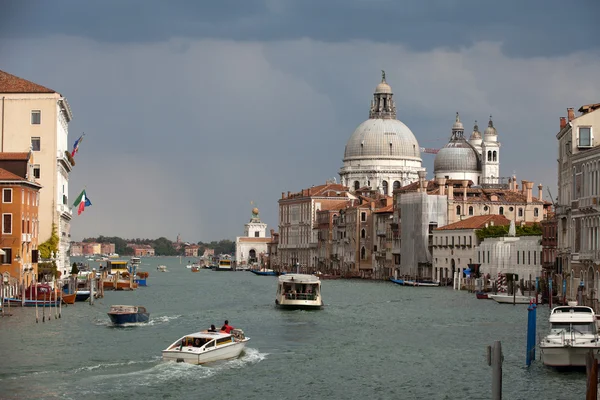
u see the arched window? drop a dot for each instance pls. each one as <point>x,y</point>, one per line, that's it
<point>501,211</point>
<point>396,185</point>
<point>384,185</point>
<point>494,155</point>
<point>356,185</point>
<point>363,234</point>
<point>520,212</point>
<point>489,155</point>
<point>470,210</point>
<point>457,210</point>
<point>363,253</point>
<point>535,212</point>
<point>368,183</point>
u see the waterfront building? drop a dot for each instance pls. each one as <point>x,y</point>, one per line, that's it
<point>511,255</point>
<point>191,250</point>
<point>142,250</point>
<point>76,249</point>
<point>107,248</point>
<point>297,223</point>
<point>382,234</point>
<point>273,254</point>
<point>20,221</point>
<point>549,245</point>
<point>382,153</point>
<point>455,245</point>
<point>327,218</point>
<point>37,118</point>
<point>91,248</point>
<point>253,246</point>
<point>578,208</point>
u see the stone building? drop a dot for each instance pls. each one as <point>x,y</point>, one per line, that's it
<point>36,118</point>
<point>253,246</point>
<point>511,255</point>
<point>382,153</point>
<point>578,208</point>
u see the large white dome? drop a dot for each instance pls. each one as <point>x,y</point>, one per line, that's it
<point>382,139</point>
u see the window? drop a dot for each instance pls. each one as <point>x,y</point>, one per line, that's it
<point>36,117</point>
<point>501,211</point>
<point>35,144</point>
<point>7,256</point>
<point>457,210</point>
<point>356,185</point>
<point>363,253</point>
<point>520,212</point>
<point>585,136</point>
<point>396,185</point>
<point>363,234</point>
<point>36,171</point>
<point>363,216</point>
<point>489,157</point>
<point>518,258</point>
<point>34,256</point>
<point>494,156</point>
<point>384,184</point>
<point>375,248</point>
<point>7,224</point>
<point>535,212</point>
<point>256,234</point>
<point>7,195</point>
<point>470,210</point>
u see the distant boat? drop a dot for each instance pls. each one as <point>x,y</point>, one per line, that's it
<point>415,283</point>
<point>120,315</point>
<point>195,268</point>
<point>510,299</point>
<point>299,291</point>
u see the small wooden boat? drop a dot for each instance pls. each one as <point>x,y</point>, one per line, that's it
<point>195,268</point>
<point>82,295</point>
<point>68,298</point>
<point>120,315</point>
<point>14,302</point>
<point>482,296</point>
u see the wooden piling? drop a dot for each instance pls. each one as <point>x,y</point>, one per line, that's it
<point>591,367</point>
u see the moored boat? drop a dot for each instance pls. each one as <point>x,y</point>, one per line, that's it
<point>120,314</point>
<point>82,295</point>
<point>573,334</point>
<point>14,302</point>
<point>203,347</point>
<point>482,296</point>
<point>68,298</point>
<point>224,264</point>
<point>511,299</point>
<point>299,291</point>
<point>195,268</point>
<point>415,283</point>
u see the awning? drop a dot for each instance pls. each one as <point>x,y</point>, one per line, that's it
<point>2,252</point>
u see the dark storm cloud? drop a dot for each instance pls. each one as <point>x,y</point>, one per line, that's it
<point>526,28</point>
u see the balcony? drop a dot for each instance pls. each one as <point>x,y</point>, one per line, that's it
<point>65,209</point>
<point>26,237</point>
<point>64,158</point>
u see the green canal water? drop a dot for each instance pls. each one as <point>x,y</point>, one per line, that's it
<point>372,340</point>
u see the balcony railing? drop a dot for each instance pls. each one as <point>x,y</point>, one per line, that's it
<point>26,237</point>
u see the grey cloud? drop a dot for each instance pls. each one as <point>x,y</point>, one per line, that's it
<point>188,132</point>
<point>526,28</point>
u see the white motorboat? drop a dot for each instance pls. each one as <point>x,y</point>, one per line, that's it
<point>203,347</point>
<point>573,333</point>
<point>162,268</point>
<point>518,298</point>
<point>299,291</point>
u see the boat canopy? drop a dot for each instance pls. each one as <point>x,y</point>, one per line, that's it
<point>572,314</point>
<point>298,278</point>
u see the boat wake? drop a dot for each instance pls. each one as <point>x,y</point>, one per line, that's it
<point>165,319</point>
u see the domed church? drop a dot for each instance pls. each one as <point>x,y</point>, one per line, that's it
<point>477,159</point>
<point>382,153</point>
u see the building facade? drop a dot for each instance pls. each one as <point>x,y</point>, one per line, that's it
<point>511,255</point>
<point>252,248</point>
<point>382,153</point>
<point>37,118</point>
<point>20,221</point>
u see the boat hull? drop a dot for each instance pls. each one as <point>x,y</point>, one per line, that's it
<point>404,282</point>
<point>508,299</point>
<point>14,302</point>
<point>141,282</point>
<point>191,355</point>
<point>482,296</point>
<point>299,305</point>
<point>559,356</point>
<point>82,295</point>
<point>134,318</point>
<point>69,298</point>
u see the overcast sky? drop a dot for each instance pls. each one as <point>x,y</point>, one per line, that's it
<point>193,109</point>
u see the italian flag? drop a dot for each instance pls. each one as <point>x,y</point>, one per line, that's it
<point>82,202</point>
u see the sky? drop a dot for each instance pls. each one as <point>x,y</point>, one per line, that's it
<point>196,111</point>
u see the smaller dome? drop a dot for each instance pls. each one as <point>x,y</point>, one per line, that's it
<point>490,130</point>
<point>475,134</point>
<point>458,126</point>
<point>383,87</point>
<point>457,156</point>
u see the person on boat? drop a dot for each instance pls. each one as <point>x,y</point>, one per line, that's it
<point>226,327</point>
<point>212,329</point>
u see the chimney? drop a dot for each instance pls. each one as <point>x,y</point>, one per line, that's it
<point>523,183</point>
<point>288,193</point>
<point>563,122</point>
<point>422,176</point>
<point>283,195</point>
<point>570,114</point>
<point>272,232</point>
<point>450,192</point>
<point>515,184</point>
<point>308,191</point>
<point>540,192</point>
<point>442,184</point>
<point>464,185</point>
<point>529,191</point>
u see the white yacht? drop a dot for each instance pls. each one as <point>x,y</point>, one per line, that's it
<point>510,299</point>
<point>299,291</point>
<point>202,347</point>
<point>573,333</point>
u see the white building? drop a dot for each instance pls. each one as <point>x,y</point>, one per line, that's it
<point>455,245</point>
<point>382,153</point>
<point>250,248</point>
<point>476,160</point>
<point>511,255</point>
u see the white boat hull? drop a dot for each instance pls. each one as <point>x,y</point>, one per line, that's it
<point>508,299</point>
<point>282,302</point>
<point>196,356</point>
<point>559,356</point>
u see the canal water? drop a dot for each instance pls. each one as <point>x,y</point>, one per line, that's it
<point>372,340</point>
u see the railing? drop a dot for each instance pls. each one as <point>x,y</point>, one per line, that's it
<point>26,237</point>
<point>300,296</point>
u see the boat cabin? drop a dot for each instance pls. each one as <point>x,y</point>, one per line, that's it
<point>114,266</point>
<point>299,287</point>
<point>573,319</point>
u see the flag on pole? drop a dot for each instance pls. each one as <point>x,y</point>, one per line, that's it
<point>76,145</point>
<point>82,202</point>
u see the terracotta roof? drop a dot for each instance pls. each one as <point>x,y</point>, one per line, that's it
<point>13,84</point>
<point>255,239</point>
<point>385,209</point>
<point>477,222</point>
<point>14,156</point>
<point>9,176</point>
<point>338,205</point>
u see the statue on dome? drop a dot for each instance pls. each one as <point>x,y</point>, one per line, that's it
<point>382,76</point>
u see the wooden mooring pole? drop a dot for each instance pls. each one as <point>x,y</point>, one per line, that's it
<point>494,359</point>
<point>591,368</point>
